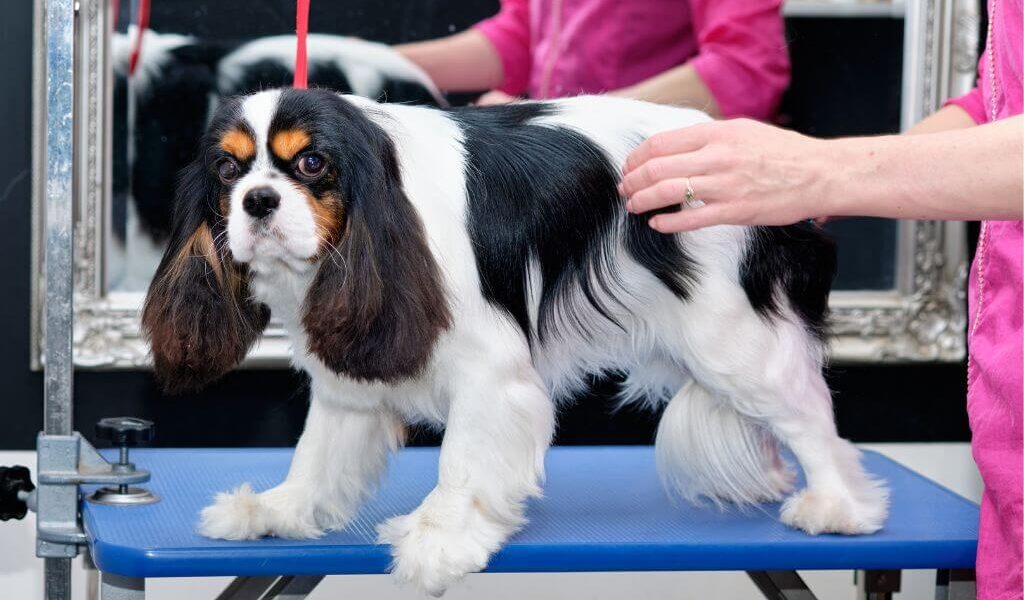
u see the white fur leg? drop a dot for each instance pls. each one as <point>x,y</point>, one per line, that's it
<point>853,504</point>
<point>499,425</point>
<point>336,464</point>
<point>769,372</point>
<point>841,497</point>
<point>448,536</point>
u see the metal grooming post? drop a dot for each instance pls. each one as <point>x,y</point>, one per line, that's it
<point>59,41</point>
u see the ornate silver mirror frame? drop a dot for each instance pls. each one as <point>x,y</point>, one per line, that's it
<point>923,318</point>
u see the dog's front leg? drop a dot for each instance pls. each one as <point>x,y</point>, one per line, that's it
<point>492,460</point>
<point>337,461</point>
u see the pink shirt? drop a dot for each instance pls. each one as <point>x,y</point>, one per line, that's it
<point>554,48</point>
<point>995,376</point>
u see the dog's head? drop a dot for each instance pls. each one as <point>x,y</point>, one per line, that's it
<point>292,181</point>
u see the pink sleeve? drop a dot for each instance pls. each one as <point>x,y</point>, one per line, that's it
<point>742,54</point>
<point>973,104</point>
<point>509,33</point>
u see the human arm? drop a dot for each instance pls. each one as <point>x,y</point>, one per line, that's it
<point>947,118</point>
<point>680,86</point>
<point>495,53</point>
<point>751,173</point>
<point>742,66</point>
<point>462,62</point>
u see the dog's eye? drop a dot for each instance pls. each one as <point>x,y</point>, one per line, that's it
<point>227,170</point>
<point>311,165</point>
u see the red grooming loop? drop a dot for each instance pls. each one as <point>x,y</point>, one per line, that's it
<point>133,61</point>
<point>301,32</point>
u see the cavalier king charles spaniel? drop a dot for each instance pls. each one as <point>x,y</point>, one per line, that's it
<point>468,269</point>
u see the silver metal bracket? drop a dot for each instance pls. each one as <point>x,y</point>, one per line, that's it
<point>65,463</point>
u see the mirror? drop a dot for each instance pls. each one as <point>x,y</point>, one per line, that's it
<point>146,99</point>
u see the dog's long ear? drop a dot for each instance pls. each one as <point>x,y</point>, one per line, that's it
<point>377,304</point>
<point>198,316</point>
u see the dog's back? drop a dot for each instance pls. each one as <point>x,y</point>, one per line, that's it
<point>555,250</point>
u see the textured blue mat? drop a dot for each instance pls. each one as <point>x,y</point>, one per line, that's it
<point>604,510</point>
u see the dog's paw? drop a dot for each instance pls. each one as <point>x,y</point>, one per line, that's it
<point>245,515</point>
<point>432,549</point>
<point>234,515</point>
<point>817,511</point>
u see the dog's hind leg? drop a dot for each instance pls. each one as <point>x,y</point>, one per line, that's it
<point>765,374</point>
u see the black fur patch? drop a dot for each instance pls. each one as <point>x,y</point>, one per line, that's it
<point>407,92</point>
<point>263,74</point>
<point>548,194</point>
<point>170,116</point>
<point>798,261</point>
<point>270,73</point>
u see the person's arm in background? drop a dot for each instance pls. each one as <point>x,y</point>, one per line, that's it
<point>742,65</point>
<point>965,111</point>
<point>494,54</point>
<point>749,173</point>
<point>946,118</point>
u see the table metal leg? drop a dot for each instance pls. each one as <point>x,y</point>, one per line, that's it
<point>955,584</point>
<point>285,587</point>
<point>118,587</point>
<point>781,585</point>
<point>876,584</point>
<point>57,578</point>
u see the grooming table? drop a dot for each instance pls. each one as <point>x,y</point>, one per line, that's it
<point>604,510</point>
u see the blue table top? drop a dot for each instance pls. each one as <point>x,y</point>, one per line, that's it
<point>604,510</point>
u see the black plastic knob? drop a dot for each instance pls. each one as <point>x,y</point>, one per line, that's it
<point>13,480</point>
<point>125,431</point>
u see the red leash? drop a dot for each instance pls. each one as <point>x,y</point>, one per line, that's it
<point>301,32</point>
<point>140,32</point>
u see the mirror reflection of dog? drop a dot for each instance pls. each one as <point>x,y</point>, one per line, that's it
<point>175,89</point>
<point>468,269</point>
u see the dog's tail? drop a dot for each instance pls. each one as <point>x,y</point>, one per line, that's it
<point>705,449</point>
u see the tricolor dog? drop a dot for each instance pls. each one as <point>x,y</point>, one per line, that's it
<point>468,269</point>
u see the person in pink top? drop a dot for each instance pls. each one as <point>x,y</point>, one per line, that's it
<point>964,163</point>
<point>726,57</point>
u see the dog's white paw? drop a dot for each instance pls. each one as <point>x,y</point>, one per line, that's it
<point>245,515</point>
<point>433,547</point>
<point>817,511</point>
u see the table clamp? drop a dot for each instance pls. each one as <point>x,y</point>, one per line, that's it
<point>66,462</point>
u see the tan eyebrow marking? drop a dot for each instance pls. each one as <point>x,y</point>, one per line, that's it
<point>286,144</point>
<point>238,143</point>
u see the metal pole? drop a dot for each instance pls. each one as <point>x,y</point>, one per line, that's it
<point>57,578</point>
<point>59,40</point>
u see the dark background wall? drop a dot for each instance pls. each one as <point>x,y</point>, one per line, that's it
<point>922,402</point>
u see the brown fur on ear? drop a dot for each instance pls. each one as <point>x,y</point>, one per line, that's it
<point>376,314</point>
<point>198,316</point>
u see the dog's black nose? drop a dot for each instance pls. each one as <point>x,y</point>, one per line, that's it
<point>260,202</point>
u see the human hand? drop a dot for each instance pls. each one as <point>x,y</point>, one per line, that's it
<point>744,172</point>
<point>495,97</point>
